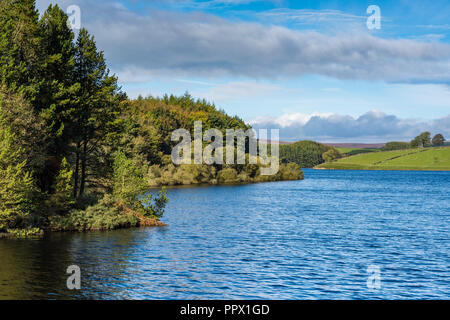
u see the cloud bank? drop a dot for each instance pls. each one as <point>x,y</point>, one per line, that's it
<point>203,45</point>
<point>373,126</point>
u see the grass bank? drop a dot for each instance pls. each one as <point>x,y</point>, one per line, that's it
<point>433,159</point>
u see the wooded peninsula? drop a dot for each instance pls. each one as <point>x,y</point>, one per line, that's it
<point>76,153</point>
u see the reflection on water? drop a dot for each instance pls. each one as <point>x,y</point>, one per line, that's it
<point>310,239</point>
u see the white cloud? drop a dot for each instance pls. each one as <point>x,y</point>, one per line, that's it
<point>202,45</point>
<point>288,119</point>
<point>373,126</point>
<point>308,16</point>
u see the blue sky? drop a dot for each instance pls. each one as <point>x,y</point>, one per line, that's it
<point>311,68</point>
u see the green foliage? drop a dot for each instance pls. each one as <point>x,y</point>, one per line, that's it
<point>306,154</point>
<point>227,175</point>
<point>16,184</point>
<point>331,155</point>
<point>156,118</point>
<point>170,175</point>
<point>422,140</point>
<point>131,188</point>
<point>20,46</point>
<point>62,198</point>
<point>94,120</point>
<point>25,233</point>
<point>290,171</point>
<point>394,145</point>
<point>153,207</point>
<point>128,179</point>
<point>105,215</point>
<point>18,116</point>
<point>438,140</point>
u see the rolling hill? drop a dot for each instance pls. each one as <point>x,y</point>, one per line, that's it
<point>411,159</point>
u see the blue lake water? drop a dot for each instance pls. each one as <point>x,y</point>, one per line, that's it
<point>310,239</point>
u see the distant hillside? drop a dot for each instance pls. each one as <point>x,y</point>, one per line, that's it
<point>357,145</point>
<point>306,154</point>
<point>410,159</point>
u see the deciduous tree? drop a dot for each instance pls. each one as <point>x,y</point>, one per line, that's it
<point>422,140</point>
<point>438,140</point>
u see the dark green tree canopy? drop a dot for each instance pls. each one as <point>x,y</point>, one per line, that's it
<point>306,154</point>
<point>331,155</point>
<point>438,140</point>
<point>422,140</point>
<point>20,47</point>
<point>396,145</point>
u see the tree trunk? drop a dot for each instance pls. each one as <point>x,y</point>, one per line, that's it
<point>77,172</point>
<point>83,168</point>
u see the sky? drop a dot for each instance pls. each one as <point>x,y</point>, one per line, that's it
<point>313,69</point>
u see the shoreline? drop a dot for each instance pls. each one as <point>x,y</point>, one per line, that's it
<point>6,235</point>
<point>376,169</point>
<point>231,184</point>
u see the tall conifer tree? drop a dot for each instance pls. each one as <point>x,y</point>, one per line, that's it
<point>20,47</point>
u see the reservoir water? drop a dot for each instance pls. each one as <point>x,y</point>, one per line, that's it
<point>335,235</point>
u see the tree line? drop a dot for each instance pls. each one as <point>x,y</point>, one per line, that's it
<point>62,130</point>
<point>421,141</point>
<point>308,154</point>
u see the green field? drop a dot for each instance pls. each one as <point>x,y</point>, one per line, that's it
<point>411,159</point>
<point>346,152</point>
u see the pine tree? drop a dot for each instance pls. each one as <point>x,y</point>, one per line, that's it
<point>95,118</point>
<point>58,92</point>
<point>20,47</point>
<point>58,87</point>
<point>18,115</point>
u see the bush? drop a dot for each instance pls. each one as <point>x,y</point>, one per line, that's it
<point>153,208</point>
<point>331,155</point>
<point>395,145</point>
<point>105,215</point>
<point>25,233</point>
<point>189,174</point>
<point>227,175</point>
<point>290,171</point>
<point>128,178</point>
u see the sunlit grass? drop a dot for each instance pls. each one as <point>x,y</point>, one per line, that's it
<point>411,159</point>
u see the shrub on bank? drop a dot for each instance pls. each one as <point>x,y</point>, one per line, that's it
<point>24,233</point>
<point>105,215</point>
<point>171,175</point>
<point>331,155</point>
